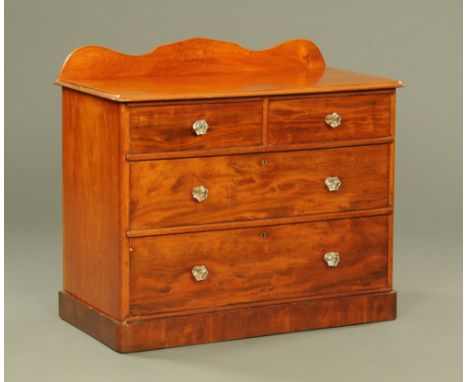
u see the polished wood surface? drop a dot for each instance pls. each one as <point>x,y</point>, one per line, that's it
<point>258,223</point>
<point>302,120</point>
<point>265,148</point>
<point>245,187</point>
<point>169,128</point>
<point>391,188</point>
<point>159,333</point>
<point>91,201</point>
<point>162,88</point>
<point>202,68</point>
<point>257,264</point>
<point>90,320</point>
<point>196,56</point>
<point>132,231</point>
<point>160,130</point>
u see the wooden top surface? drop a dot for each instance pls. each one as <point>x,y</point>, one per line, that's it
<point>202,68</point>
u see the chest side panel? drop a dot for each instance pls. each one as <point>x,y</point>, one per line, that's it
<point>92,201</point>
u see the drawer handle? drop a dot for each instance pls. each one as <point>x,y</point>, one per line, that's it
<point>333,120</point>
<point>332,259</point>
<point>199,272</point>
<point>200,193</point>
<point>333,183</point>
<point>200,127</point>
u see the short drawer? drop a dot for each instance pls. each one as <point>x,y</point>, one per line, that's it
<point>257,186</point>
<point>258,264</point>
<point>175,127</point>
<point>327,118</point>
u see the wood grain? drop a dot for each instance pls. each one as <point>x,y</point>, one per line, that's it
<point>124,205</point>
<point>245,267</point>
<point>91,201</point>
<point>169,128</point>
<point>229,85</point>
<point>258,223</point>
<point>196,56</point>
<point>257,149</point>
<point>391,193</point>
<point>201,68</point>
<point>364,115</point>
<point>228,325</point>
<point>242,188</point>
<point>132,231</point>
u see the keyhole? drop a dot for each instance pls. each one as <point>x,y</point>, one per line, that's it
<point>264,162</point>
<point>263,234</point>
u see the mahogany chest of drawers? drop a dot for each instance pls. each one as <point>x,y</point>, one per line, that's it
<point>211,193</point>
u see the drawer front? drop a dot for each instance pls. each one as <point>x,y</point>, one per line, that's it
<point>257,264</point>
<point>257,186</point>
<point>304,120</point>
<point>170,128</point>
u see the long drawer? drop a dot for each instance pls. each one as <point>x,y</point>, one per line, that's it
<point>258,264</point>
<point>164,193</point>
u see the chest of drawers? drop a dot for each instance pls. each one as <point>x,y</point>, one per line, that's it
<point>211,193</point>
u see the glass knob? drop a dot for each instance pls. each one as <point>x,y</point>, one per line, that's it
<point>200,193</point>
<point>199,272</point>
<point>332,259</point>
<point>333,183</point>
<point>200,127</point>
<point>333,120</point>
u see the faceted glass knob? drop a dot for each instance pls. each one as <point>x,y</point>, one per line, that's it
<point>200,127</point>
<point>333,183</point>
<point>200,193</point>
<point>332,259</point>
<point>333,120</point>
<point>199,272</point>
